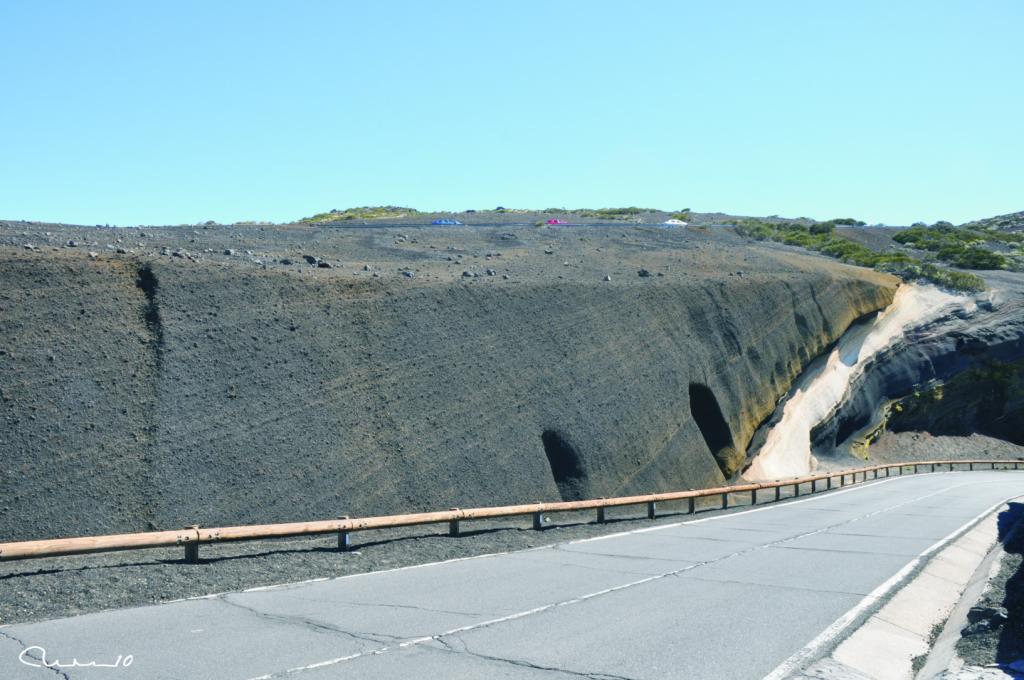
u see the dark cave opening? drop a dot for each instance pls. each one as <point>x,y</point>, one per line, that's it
<point>708,416</point>
<point>566,466</point>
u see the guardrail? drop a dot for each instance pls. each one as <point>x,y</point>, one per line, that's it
<point>192,537</point>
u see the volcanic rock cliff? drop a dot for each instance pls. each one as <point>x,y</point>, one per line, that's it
<point>237,375</point>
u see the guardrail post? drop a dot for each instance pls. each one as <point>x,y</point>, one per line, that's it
<point>796,490</point>
<point>453,525</point>
<point>887,471</point>
<point>538,520</point>
<point>652,510</point>
<point>600,516</point>
<point>993,465</point>
<point>842,480</point>
<point>828,483</point>
<point>753,496</point>
<point>192,549</point>
<point>933,467</point>
<point>725,501</point>
<point>915,469</point>
<point>1015,466</point>
<point>778,493</point>
<point>344,544</point>
<point>970,466</point>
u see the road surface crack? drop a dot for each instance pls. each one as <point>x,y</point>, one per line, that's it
<point>400,606</point>
<point>41,660</point>
<point>313,625</point>
<point>523,664</point>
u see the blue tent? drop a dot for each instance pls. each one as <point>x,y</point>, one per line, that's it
<point>446,222</point>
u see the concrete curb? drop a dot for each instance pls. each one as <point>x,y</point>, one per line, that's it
<point>885,645</point>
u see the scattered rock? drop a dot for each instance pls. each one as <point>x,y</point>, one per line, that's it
<point>121,251</point>
<point>607,277</point>
<point>229,252</point>
<point>93,254</point>
<point>72,244</point>
<point>310,259</point>
<point>468,275</point>
<point>548,251</point>
<point>323,264</point>
<point>491,272</point>
<point>285,260</point>
<point>29,246</point>
<point>643,273</point>
<point>366,267</point>
<point>407,274</point>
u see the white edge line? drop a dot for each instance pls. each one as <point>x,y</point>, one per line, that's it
<point>571,601</point>
<point>818,495</point>
<point>812,648</point>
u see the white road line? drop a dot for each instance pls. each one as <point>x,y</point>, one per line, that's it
<point>818,495</point>
<point>623,586</point>
<point>815,646</point>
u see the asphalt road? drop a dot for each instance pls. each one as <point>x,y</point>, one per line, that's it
<point>730,596</point>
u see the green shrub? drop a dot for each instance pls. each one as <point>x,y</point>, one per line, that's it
<point>960,246</point>
<point>827,242</point>
<point>363,213</point>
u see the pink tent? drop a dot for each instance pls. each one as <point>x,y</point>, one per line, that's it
<point>557,222</point>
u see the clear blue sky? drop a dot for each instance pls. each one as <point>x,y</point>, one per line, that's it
<point>169,112</point>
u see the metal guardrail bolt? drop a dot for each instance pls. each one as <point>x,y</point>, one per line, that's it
<point>344,543</point>
<point>192,549</point>
<point>453,525</point>
<point>652,510</point>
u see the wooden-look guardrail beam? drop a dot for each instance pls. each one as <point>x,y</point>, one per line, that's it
<point>192,537</point>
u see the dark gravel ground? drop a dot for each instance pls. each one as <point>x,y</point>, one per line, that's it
<point>894,447</point>
<point>58,587</point>
<point>995,631</point>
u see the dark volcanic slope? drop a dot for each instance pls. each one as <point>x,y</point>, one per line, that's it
<point>148,389</point>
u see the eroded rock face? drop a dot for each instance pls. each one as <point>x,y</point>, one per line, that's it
<point>978,353</point>
<point>222,392</point>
